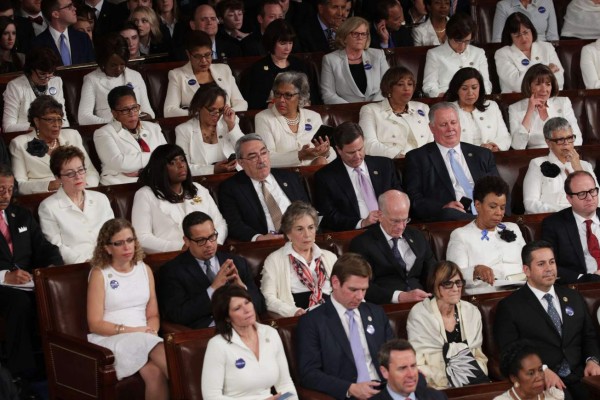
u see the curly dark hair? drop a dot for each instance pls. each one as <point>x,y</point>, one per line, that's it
<point>489,184</point>
<point>101,258</point>
<point>62,155</point>
<point>43,105</point>
<point>513,355</point>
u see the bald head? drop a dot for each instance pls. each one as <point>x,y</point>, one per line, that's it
<point>393,198</point>
<point>394,206</point>
<point>205,19</point>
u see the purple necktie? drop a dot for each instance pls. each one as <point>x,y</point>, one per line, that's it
<point>367,191</point>
<point>357,349</point>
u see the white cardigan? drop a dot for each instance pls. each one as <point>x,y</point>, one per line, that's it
<point>189,137</point>
<point>59,216</point>
<point>18,95</point>
<point>590,65</point>
<point>93,106</point>
<point>183,85</point>
<point>33,173</point>
<point>490,124</point>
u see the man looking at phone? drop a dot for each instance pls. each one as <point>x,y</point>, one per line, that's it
<point>188,281</point>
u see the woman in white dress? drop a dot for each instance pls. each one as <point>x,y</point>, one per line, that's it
<point>541,12</point>
<point>443,61</point>
<point>581,20</point>
<point>432,32</point>
<point>590,64</point>
<point>112,55</point>
<point>481,121</point>
<point>122,311</point>
<point>521,51</point>
<point>168,195</point>
<point>38,79</point>
<point>541,102</point>
<point>397,124</point>
<point>487,248</point>
<point>288,128</point>
<point>31,151</point>
<point>185,81</point>
<point>209,137</point>
<point>244,359</point>
<point>71,218</point>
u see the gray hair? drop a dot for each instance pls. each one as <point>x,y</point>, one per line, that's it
<point>556,124</point>
<point>246,138</point>
<point>296,210</point>
<point>297,79</point>
<point>383,199</point>
<point>442,105</point>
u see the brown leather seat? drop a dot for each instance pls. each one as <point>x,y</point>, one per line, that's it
<point>483,12</point>
<point>569,54</point>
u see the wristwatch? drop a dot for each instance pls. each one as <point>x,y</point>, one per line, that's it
<point>593,359</point>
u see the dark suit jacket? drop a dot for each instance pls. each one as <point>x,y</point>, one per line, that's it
<point>560,229</point>
<point>325,361</point>
<point>422,393</point>
<point>388,276</point>
<point>227,46</point>
<point>521,316</point>
<point>82,50</point>
<point>111,18</point>
<point>182,288</point>
<point>297,15</point>
<point>30,248</point>
<point>334,194</point>
<point>25,34</point>
<point>401,38</point>
<point>312,37</point>
<point>252,45</point>
<point>240,205</point>
<point>427,181</point>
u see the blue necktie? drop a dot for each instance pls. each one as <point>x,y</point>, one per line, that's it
<point>65,54</point>
<point>563,369</point>
<point>357,349</point>
<point>209,272</point>
<point>460,176</point>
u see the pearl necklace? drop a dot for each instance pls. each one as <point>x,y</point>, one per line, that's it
<point>294,121</point>
<point>180,193</point>
<point>517,396</point>
<point>54,144</point>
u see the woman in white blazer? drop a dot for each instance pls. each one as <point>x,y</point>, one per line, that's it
<point>288,128</point>
<point>432,32</point>
<point>112,56</point>
<point>481,121</point>
<point>72,217</point>
<point>208,138</point>
<point>168,195</point>
<point>124,145</point>
<point>528,116</point>
<point>31,151</point>
<point>540,12</point>
<point>295,278</point>
<point>521,50</point>
<point>352,74</point>
<point>395,125</point>
<point>38,79</point>
<point>590,65</point>
<point>543,186</point>
<point>185,81</point>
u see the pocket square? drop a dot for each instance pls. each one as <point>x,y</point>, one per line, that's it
<point>22,229</point>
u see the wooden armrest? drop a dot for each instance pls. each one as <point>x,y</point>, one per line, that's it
<point>167,327</point>
<point>309,394</point>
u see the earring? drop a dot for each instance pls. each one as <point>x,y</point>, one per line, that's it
<point>389,95</point>
<point>516,384</point>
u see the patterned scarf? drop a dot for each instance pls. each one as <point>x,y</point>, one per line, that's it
<point>307,280</point>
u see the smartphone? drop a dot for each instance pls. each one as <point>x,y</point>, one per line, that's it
<point>324,132</point>
<point>231,157</point>
<point>466,202</point>
<point>286,395</point>
<point>380,386</point>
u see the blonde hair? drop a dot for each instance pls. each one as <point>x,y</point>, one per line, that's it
<point>101,258</point>
<point>348,26</point>
<point>153,18</point>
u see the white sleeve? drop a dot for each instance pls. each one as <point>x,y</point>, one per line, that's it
<point>143,97</point>
<point>417,37</point>
<point>268,287</point>
<point>85,113</point>
<point>570,116</point>
<point>509,75</point>
<point>328,83</point>
<point>284,384</point>
<point>368,123</point>
<point>458,253</point>
<point>589,69</point>
<point>520,134</point>
<point>502,137</point>
<point>172,107</point>
<point>12,104</point>
<point>499,20</point>
<point>266,130</point>
<point>214,212</point>
<point>19,166</point>
<point>532,191</point>
<point>183,140</point>
<point>111,155</point>
<point>431,78</point>
<point>552,28</point>
<point>213,372</point>
<point>553,57</point>
<point>52,232</point>
<point>141,218</point>
<point>235,96</point>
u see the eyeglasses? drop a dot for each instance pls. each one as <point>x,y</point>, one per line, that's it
<point>205,56</point>
<point>255,157</point>
<point>52,121</point>
<point>214,113</point>
<point>359,35</point>
<point>4,190</point>
<point>70,6</point>
<point>72,174</point>
<point>450,284</point>
<point>129,110</point>
<point>202,241</point>
<point>563,140</point>
<point>288,96</point>
<point>522,33</point>
<point>44,75</point>
<point>583,194</point>
<point>400,221</point>
<point>120,243</point>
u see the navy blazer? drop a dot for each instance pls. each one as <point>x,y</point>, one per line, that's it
<point>182,296</point>
<point>427,181</point>
<point>240,205</point>
<point>334,194</point>
<point>560,229</point>
<point>325,360</point>
<point>82,50</point>
<point>312,37</point>
<point>521,316</point>
<point>111,18</point>
<point>388,276</point>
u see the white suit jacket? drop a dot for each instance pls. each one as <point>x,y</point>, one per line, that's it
<point>18,95</point>
<point>541,13</point>
<point>189,137</point>
<point>59,215</point>
<point>337,83</point>
<point>557,107</point>
<point>511,70</point>
<point>581,20</point>
<point>590,65</point>
<point>387,136</point>
<point>33,173</point>
<point>490,124</point>
<point>281,141</point>
<point>183,86</point>
<point>158,223</point>
<point>424,35</point>
<point>442,63</point>
<point>119,151</point>
<point>93,106</point>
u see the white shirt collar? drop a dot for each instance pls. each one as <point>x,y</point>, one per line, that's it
<point>579,220</point>
<point>56,35</point>
<point>540,294</point>
<point>289,249</point>
<point>362,166</point>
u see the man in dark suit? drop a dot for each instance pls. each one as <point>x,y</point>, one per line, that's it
<point>188,281</point>
<point>388,29</point>
<point>270,10</point>
<point>296,14</point>
<point>71,46</point>
<point>398,365</point>
<point>109,17</point>
<point>555,318</point>
<point>576,248</point>
<point>330,338</point>
<point>23,247</point>
<point>399,255</point>
<point>347,189</point>
<point>318,33</point>
<point>224,46</point>
<point>253,200</point>
<point>440,176</point>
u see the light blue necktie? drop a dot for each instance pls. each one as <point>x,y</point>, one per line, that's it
<point>65,54</point>
<point>461,177</point>
<point>357,349</point>
<point>563,368</point>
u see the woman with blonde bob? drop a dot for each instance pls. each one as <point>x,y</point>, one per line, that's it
<point>122,310</point>
<point>153,39</point>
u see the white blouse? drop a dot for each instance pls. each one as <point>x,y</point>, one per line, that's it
<point>590,65</point>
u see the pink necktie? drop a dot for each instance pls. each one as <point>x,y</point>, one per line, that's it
<point>5,232</point>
